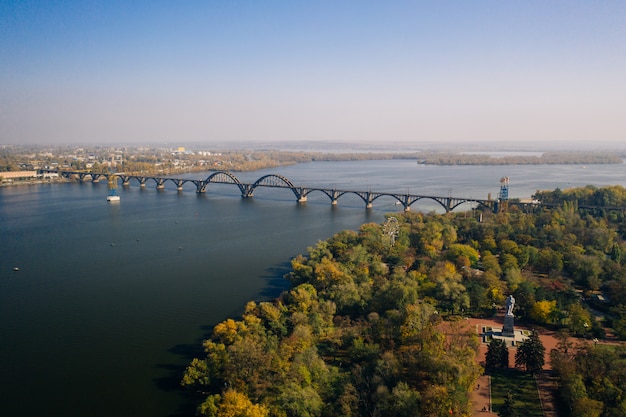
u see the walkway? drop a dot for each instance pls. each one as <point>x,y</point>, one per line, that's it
<point>480,398</point>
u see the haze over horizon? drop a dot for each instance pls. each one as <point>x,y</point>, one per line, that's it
<point>284,71</point>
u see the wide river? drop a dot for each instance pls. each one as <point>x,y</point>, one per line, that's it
<point>111,301</point>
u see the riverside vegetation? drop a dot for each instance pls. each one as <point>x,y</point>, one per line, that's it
<point>371,325</point>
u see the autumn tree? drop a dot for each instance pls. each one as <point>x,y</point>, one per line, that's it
<point>231,404</point>
<point>543,311</point>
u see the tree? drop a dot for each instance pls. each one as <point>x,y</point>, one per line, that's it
<point>542,311</point>
<point>586,407</point>
<point>298,401</point>
<point>579,319</point>
<point>507,409</point>
<point>458,250</point>
<point>530,354</point>
<point>497,355</point>
<point>231,404</point>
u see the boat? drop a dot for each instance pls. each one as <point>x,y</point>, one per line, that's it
<point>113,196</point>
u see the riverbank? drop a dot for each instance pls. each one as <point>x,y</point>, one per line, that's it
<point>32,182</point>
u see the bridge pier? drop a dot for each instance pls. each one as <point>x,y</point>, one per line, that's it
<point>369,200</point>
<point>301,194</point>
<point>247,191</point>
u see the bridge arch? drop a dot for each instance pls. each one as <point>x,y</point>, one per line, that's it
<point>179,182</point>
<point>333,195</point>
<point>435,199</point>
<point>278,181</point>
<point>336,194</point>
<point>223,177</point>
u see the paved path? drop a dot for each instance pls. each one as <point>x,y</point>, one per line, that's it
<point>480,398</point>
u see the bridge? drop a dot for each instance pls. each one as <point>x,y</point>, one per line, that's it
<point>300,193</point>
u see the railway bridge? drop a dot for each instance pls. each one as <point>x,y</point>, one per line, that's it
<point>301,193</point>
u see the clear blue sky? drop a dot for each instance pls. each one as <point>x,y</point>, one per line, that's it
<point>268,70</point>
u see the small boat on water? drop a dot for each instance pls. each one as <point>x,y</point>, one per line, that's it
<point>113,196</point>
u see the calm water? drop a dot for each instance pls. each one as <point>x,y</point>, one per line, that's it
<point>111,301</point>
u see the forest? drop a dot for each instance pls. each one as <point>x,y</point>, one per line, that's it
<point>371,323</point>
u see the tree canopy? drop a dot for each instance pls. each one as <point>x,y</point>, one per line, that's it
<point>372,327</point>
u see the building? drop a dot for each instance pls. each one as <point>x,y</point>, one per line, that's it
<point>10,176</point>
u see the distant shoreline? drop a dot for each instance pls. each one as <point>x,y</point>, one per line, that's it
<point>258,160</point>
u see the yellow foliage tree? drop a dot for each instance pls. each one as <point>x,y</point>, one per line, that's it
<point>327,272</point>
<point>231,404</point>
<point>227,330</point>
<point>542,311</point>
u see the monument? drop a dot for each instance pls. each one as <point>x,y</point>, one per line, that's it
<point>508,329</point>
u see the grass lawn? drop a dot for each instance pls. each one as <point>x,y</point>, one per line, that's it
<point>523,388</point>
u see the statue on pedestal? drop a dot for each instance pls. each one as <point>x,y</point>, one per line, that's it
<point>509,327</point>
<point>510,303</point>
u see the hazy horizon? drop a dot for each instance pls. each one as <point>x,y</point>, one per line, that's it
<point>367,72</point>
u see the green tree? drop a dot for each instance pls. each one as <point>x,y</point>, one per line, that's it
<point>586,407</point>
<point>530,354</point>
<point>497,355</point>
<point>299,401</point>
<point>579,319</point>
<point>458,250</point>
<point>449,289</point>
<point>507,410</point>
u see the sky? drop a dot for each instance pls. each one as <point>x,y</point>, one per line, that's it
<point>147,72</point>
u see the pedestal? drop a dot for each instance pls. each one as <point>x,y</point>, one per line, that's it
<point>508,329</point>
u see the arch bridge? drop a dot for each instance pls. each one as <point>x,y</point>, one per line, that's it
<point>301,193</point>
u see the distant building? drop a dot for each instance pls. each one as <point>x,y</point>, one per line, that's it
<point>10,176</point>
<point>17,175</point>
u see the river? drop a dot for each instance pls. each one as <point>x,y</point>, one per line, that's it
<point>111,301</point>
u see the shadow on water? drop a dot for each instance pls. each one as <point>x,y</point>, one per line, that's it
<point>276,283</point>
<point>170,383</point>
